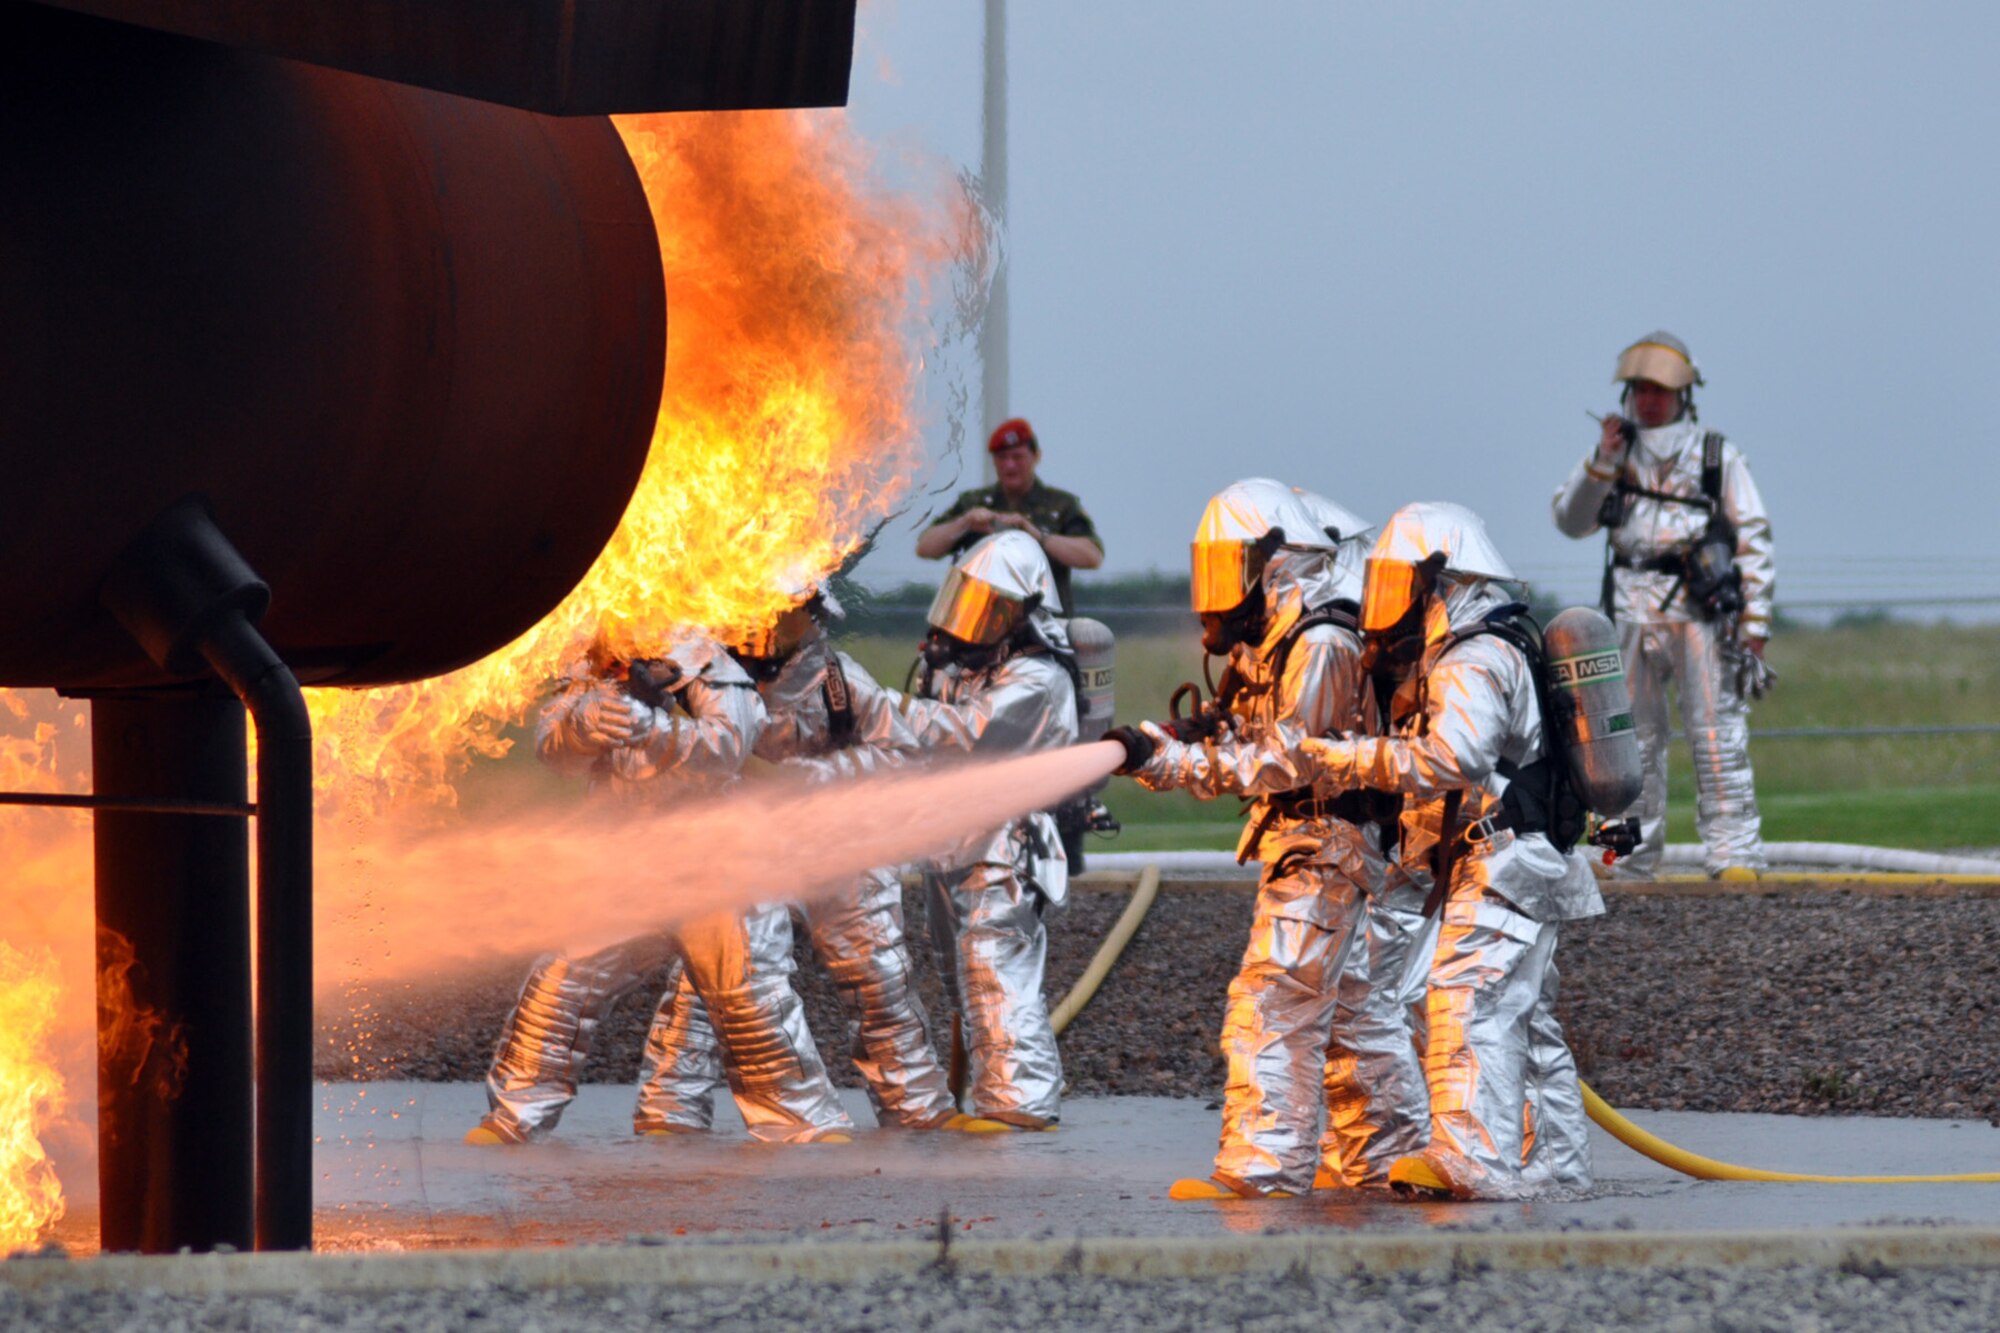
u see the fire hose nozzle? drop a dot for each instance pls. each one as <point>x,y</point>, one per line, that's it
<point>1619,838</point>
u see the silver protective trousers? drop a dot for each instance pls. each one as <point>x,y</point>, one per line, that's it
<point>548,1035</point>
<point>740,967</point>
<point>992,955</point>
<point>858,934</point>
<point>1278,1027</point>
<point>1557,1131</point>
<point>1492,1049</point>
<point>1377,1106</point>
<point>1717,721</point>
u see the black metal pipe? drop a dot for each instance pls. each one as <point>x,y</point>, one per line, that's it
<point>175,1111</point>
<point>137,805</point>
<point>268,689</point>
<point>190,599</point>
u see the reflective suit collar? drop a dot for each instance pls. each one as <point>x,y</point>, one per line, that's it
<point>800,675</point>
<point>1664,444</point>
<point>1051,629</point>
<point>1463,606</point>
<point>1287,605</point>
<point>1293,581</point>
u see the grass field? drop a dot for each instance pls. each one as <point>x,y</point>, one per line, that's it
<point>1914,791</point>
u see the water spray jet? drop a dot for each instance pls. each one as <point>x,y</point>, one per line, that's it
<point>699,857</point>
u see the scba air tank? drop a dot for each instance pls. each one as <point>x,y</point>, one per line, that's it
<point>1096,665</point>
<point>1593,708</point>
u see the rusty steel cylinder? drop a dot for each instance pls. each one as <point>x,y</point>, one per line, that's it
<point>1593,708</point>
<point>409,346</point>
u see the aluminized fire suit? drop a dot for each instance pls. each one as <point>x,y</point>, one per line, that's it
<point>986,897</point>
<point>1665,638</point>
<point>858,931</point>
<point>739,964</point>
<point>1302,992</point>
<point>1377,1107</point>
<point>1492,1045</point>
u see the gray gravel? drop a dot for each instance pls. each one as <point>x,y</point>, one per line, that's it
<point>1792,1300</point>
<point>1808,1002</point>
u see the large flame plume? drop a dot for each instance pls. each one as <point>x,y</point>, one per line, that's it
<point>31,1096</point>
<point>47,958</point>
<point>787,428</point>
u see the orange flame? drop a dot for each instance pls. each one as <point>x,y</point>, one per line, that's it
<point>787,427</point>
<point>31,1096</point>
<point>135,1044</point>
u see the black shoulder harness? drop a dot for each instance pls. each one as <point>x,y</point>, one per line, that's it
<point>1611,514</point>
<point>1710,498</point>
<point>1538,798</point>
<point>839,703</point>
<point>1342,613</point>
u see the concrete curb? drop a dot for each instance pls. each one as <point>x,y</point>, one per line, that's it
<point>1873,885</point>
<point>1123,1258</point>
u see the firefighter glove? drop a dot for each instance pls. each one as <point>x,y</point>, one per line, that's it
<point>1138,746</point>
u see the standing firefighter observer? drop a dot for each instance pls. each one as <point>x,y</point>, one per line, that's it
<point>1275,603</point>
<point>998,676</point>
<point>1689,580</point>
<point>648,730</point>
<point>1019,503</point>
<point>829,716</point>
<point>1506,1110</point>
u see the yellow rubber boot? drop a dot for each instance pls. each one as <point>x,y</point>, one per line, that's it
<point>1738,875</point>
<point>1012,1122</point>
<point>1413,1175</point>
<point>486,1134</point>
<point>962,1123</point>
<point>1189,1188</point>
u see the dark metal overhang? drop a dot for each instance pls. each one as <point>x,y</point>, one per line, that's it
<point>557,57</point>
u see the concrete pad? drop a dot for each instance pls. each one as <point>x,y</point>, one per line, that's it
<point>394,1175</point>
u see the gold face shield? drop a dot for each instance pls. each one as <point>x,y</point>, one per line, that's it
<point>974,612</point>
<point>780,638</point>
<point>1223,574</point>
<point>1390,589</point>
<point>1663,365</point>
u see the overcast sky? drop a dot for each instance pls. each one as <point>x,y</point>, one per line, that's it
<point>1391,251</point>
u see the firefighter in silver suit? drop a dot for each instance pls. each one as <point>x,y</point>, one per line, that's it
<point>699,731</point>
<point>824,710</point>
<point>998,678</point>
<point>1265,587</point>
<point>1377,1108</point>
<point>1464,715</point>
<point>1658,484</point>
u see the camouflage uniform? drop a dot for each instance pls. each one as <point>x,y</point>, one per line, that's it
<point>1055,512</point>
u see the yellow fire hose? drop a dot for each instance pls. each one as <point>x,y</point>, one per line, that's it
<point>1108,953</point>
<point>1601,1111</point>
<point>1707,1168</point>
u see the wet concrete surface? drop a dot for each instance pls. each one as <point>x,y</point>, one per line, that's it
<point>394,1171</point>
<point>395,1175</point>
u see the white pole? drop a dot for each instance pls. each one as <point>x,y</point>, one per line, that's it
<point>994,393</point>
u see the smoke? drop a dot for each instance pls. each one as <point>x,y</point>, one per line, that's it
<point>579,879</point>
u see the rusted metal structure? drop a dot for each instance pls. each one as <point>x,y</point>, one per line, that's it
<point>331,339</point>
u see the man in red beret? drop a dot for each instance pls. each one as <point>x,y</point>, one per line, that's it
<point>1053,518</point>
